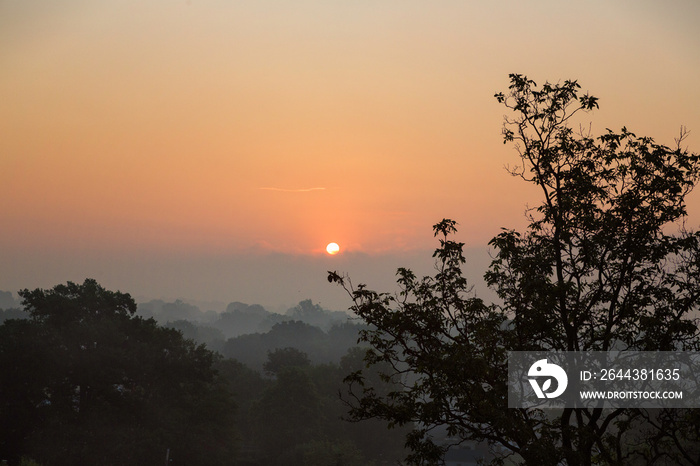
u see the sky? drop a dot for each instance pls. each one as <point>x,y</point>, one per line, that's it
<point>209,150</point>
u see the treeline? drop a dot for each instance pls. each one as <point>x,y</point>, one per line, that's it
<point>248,332</point>
<point>240,318</point>
<point>86,379</point>
<point>293,415</point>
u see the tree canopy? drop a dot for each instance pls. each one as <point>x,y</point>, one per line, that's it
<point>84,381</point>
<point>599,267</point>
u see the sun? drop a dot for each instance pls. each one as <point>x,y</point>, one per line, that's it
<point>332,249</point>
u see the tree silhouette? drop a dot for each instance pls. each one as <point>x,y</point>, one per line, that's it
<point>596,269</point>
<point>284,358</point>
<point>84,381</point>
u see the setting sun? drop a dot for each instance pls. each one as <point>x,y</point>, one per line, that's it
<point>332,249</point>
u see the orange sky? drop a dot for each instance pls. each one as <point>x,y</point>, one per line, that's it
<point>215,128</point>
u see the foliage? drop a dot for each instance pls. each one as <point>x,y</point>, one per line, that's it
<point>321,347</point>
<point>441,350</point>
<point>84,381</point>
<point>297,419</point>
<point>289,414</point>
<point>28,462</point>
<point>326,453</point>
<point>597,269</point>
<point>310,313</point>
<point>212,337</point>
<point>284,358</point>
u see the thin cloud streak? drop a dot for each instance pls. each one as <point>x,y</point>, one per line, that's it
<point>300,190</point>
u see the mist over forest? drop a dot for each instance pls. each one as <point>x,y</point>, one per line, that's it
<point>248,332</point>
<point>245,332</point>
<point>270,393</point>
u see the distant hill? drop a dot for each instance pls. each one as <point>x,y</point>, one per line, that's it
<point>241,318</point>
<point>248,332</point>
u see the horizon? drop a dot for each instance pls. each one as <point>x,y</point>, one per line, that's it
<point>223,280</point>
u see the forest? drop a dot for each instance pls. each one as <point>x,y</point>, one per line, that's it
<point>87,376</point>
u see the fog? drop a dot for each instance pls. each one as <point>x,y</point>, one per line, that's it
<point>275,281</point>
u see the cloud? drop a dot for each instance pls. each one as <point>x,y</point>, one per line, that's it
<point>299,190</point>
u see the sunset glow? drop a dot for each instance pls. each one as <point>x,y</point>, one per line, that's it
<point>162,130</point>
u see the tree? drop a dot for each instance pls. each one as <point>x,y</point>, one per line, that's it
<point>95,384</point>
<point>288,415</point>
<point>336,453</point>
<point>284,358</point>
<point>377,442</point>
<point>596,269</point>
<point>313,314</point>
<point>252,349</point>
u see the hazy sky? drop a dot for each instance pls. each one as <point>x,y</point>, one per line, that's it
<point>211,149</point>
